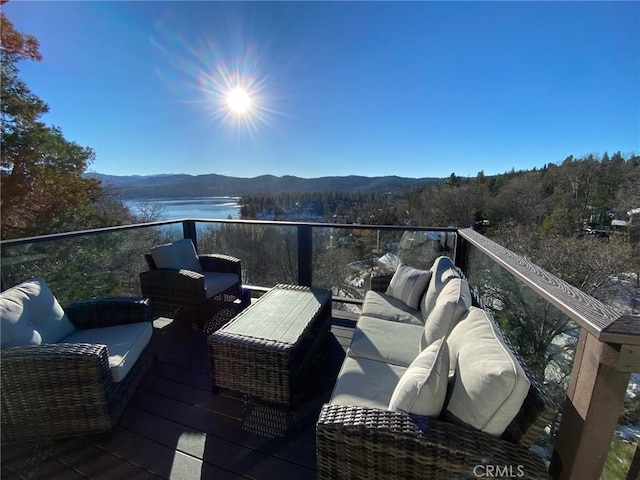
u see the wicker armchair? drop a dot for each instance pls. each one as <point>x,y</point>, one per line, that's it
<point>65,389</point>
<point>194,296</point>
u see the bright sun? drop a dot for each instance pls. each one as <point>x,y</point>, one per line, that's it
<point>238,100</point>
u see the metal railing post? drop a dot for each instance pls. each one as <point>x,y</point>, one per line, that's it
<point>461,253</point>
<point>189,231</point>
<point>305,249</point>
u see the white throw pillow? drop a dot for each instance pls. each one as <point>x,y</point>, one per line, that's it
<point>423,387</point>
<point>31,315</point>
<point>489,384</point>
<point>408,285</point>
<point>452,304</point>
<point>177,255</point>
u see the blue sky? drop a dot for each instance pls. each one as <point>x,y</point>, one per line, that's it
<point>414,89</point>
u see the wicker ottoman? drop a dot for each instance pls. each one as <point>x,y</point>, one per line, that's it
<point>266,348</point>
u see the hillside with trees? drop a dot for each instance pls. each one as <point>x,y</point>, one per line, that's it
<point>547,215</point>
<point>563,199</point>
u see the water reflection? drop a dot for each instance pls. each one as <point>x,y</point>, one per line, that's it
<point>196,207</point>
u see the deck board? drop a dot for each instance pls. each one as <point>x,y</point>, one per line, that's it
<point>94,462</point>
<point>174,427</point>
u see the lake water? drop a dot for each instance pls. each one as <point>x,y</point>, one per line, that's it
<point>196,207</point>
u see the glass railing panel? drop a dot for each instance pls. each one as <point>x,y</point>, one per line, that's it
<point>344,257</point>
<point>420,248</point>
<point>108,263</point>
<point>269,253</point>
<point>104,264</point>
<point>541,334</point>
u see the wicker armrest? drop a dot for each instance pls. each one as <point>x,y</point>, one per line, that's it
<point>220,263</point>
<point>361,442</point>
<point>54,390</point>
<point>52,366</point>
<point>104,312</point>
<point>173,283</point>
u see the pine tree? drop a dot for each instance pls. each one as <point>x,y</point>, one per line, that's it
<point>41,173</point>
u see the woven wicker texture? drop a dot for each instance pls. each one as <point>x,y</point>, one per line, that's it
<point>64,389</point>
<point>180,294</point>
<point>360,442</point>
<point>263,365</point>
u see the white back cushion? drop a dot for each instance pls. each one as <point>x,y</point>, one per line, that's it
<point>442,270</point>
<point>381,305</point>
<point>177,255</point>
<point>489,385</point>
<point>423,387</point>
<point>31,315</point>
<point>451,305</point>
<point>408,285</point>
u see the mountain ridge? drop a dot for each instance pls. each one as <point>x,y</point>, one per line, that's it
<point>210,185</point>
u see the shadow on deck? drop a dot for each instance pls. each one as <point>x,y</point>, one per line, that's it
<point>175,428</point>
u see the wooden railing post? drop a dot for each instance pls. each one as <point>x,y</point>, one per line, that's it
<point>305,250</point>
<point>592,409</point>
<point>189,231</point>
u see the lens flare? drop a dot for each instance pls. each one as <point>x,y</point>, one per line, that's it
<point>227,82</point>
<point>239,100</point>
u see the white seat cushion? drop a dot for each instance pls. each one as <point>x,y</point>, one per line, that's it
<point>177,255</point>
<point>381,305</point>
<point>366,383</point>
<point>423,387</point>
<point>451,305</point>
<point>389,342</point>
<point>489,385</point>
<point>215,282</point>
<point>408,285</point>
<point>125,343</point>
<point>31,315</point>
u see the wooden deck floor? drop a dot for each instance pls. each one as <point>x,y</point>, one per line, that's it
<point>175,428</point>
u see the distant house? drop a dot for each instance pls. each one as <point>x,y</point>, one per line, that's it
<point>618,223</point>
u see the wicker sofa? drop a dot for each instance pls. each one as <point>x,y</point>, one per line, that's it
<point>431,391</point>
<point>69,371</point>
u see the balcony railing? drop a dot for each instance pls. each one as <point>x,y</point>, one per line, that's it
<point>107,261</point>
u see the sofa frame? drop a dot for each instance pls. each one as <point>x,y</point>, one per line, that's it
<point>363,442</point>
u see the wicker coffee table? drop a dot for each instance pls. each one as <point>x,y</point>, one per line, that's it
<point>265,349</point>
